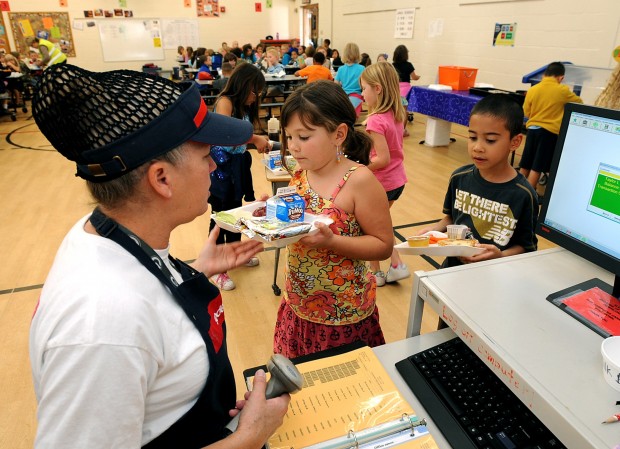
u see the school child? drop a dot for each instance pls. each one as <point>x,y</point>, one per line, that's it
<point>349,75</point>
<point>181,54</point>
<point>274,67</point>
<point>316,71</point>
<point>330,294</point>
<point>204,69</point>
<point>384,125</point>
<point>220,83</point>
<point>406,73</point>
<point>496,202</point>
<point>231,182</point>
<point>544,107</point>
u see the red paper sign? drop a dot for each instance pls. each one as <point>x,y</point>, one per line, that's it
<point>598,307</point>
<point>258,7</point>
<point>4,6</point>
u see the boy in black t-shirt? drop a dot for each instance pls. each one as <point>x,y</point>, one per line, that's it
<point>489,196</point>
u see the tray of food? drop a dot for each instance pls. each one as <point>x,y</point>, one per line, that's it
<point>251,221</point>
<point>435,243</point>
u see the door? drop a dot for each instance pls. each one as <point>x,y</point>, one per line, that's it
<point>310,31</point>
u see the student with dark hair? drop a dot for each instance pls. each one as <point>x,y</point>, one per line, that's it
<point>365,60</point>
<point>220,83</point>
<point>231,182</point>
<point>489,196</point>
<point>406,73</point>
<point>128,344</point>
<point>326,44</point>
<point>544,107</point>
<point>247,54</point>
<point>231,58</point>
<point>330,294</point>
<point>316,71</point>
<point>193,62</point>
<point>204,70</point>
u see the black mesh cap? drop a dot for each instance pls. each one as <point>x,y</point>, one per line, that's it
<point>112,122</point>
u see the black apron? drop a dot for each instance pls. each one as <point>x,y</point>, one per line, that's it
<point>204,423</point>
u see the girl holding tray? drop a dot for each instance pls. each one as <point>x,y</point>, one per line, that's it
<point>330,294</point>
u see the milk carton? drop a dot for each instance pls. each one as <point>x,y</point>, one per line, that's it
<point>274,159</point>
<point>287,205</point>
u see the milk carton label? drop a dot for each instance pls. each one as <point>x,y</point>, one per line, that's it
<point>286,206</point>
<point>274,160</point>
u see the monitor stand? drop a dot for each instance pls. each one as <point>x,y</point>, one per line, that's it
<point>598,311</point>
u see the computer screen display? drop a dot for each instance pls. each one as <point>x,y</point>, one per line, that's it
<point>581,207</point>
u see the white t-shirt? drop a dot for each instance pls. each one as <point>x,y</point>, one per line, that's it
<point>115,361</point>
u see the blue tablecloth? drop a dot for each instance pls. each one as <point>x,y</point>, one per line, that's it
<point>454,106</point>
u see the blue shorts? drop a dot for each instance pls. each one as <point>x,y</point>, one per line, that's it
<point>393,195</point>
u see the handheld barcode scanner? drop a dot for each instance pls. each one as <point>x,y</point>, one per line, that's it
<point>285,378</point>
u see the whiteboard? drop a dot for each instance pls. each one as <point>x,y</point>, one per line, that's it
<point>131,39</point>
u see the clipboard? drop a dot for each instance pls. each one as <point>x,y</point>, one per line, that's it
<point>592,304</point>
<point>348,400</point>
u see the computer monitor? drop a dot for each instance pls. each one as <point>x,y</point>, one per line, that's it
<point>581,207</point>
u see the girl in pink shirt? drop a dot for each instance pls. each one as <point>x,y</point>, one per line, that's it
<point>385,124</point>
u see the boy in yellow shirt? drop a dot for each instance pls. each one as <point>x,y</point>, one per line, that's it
<point>544,108</point>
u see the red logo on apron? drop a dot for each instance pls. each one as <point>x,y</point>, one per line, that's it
<point>216,329</point>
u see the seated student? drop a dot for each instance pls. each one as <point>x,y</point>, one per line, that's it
<point>14,85</point>
<point>274,67</point>
<point>231,58</point>
<point>489,196</point>
<point>247,54</point>
<point>306,60</point>
<point>293,58</point>
<point>220,83</point>
<point>5,96</point>
<point>336,60</point>
<point>204,68</point>
<point>316,71</point>
<point>286,56</point>
<point>365,61</point>
<point>327,62</point>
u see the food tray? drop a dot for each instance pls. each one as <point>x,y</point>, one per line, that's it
<point>436,250</point>
<point>246,211</point>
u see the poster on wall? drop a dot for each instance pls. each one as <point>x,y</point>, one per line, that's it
<point>53,26</point>
<point>4,39</point>
<point>504,34</point>
<point>403,28</point>
<point>208,8</point>
<point>184,32</point>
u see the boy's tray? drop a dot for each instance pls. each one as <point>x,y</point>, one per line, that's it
<point>246,212</point>
<point>436,250</point>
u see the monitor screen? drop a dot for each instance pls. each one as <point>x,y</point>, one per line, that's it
<point>581,207</point>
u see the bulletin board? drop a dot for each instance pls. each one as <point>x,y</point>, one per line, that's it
<point>131,40</point>
<point>52,26</point>
<point>4,40</point>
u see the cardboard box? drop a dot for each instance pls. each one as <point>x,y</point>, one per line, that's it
<point>459,78</point>
<point>287,205</point>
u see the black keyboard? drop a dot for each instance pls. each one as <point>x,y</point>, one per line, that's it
<point>469,403</point>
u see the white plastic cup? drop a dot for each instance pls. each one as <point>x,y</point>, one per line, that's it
<point>456,231</point>
<point>610,349</point>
